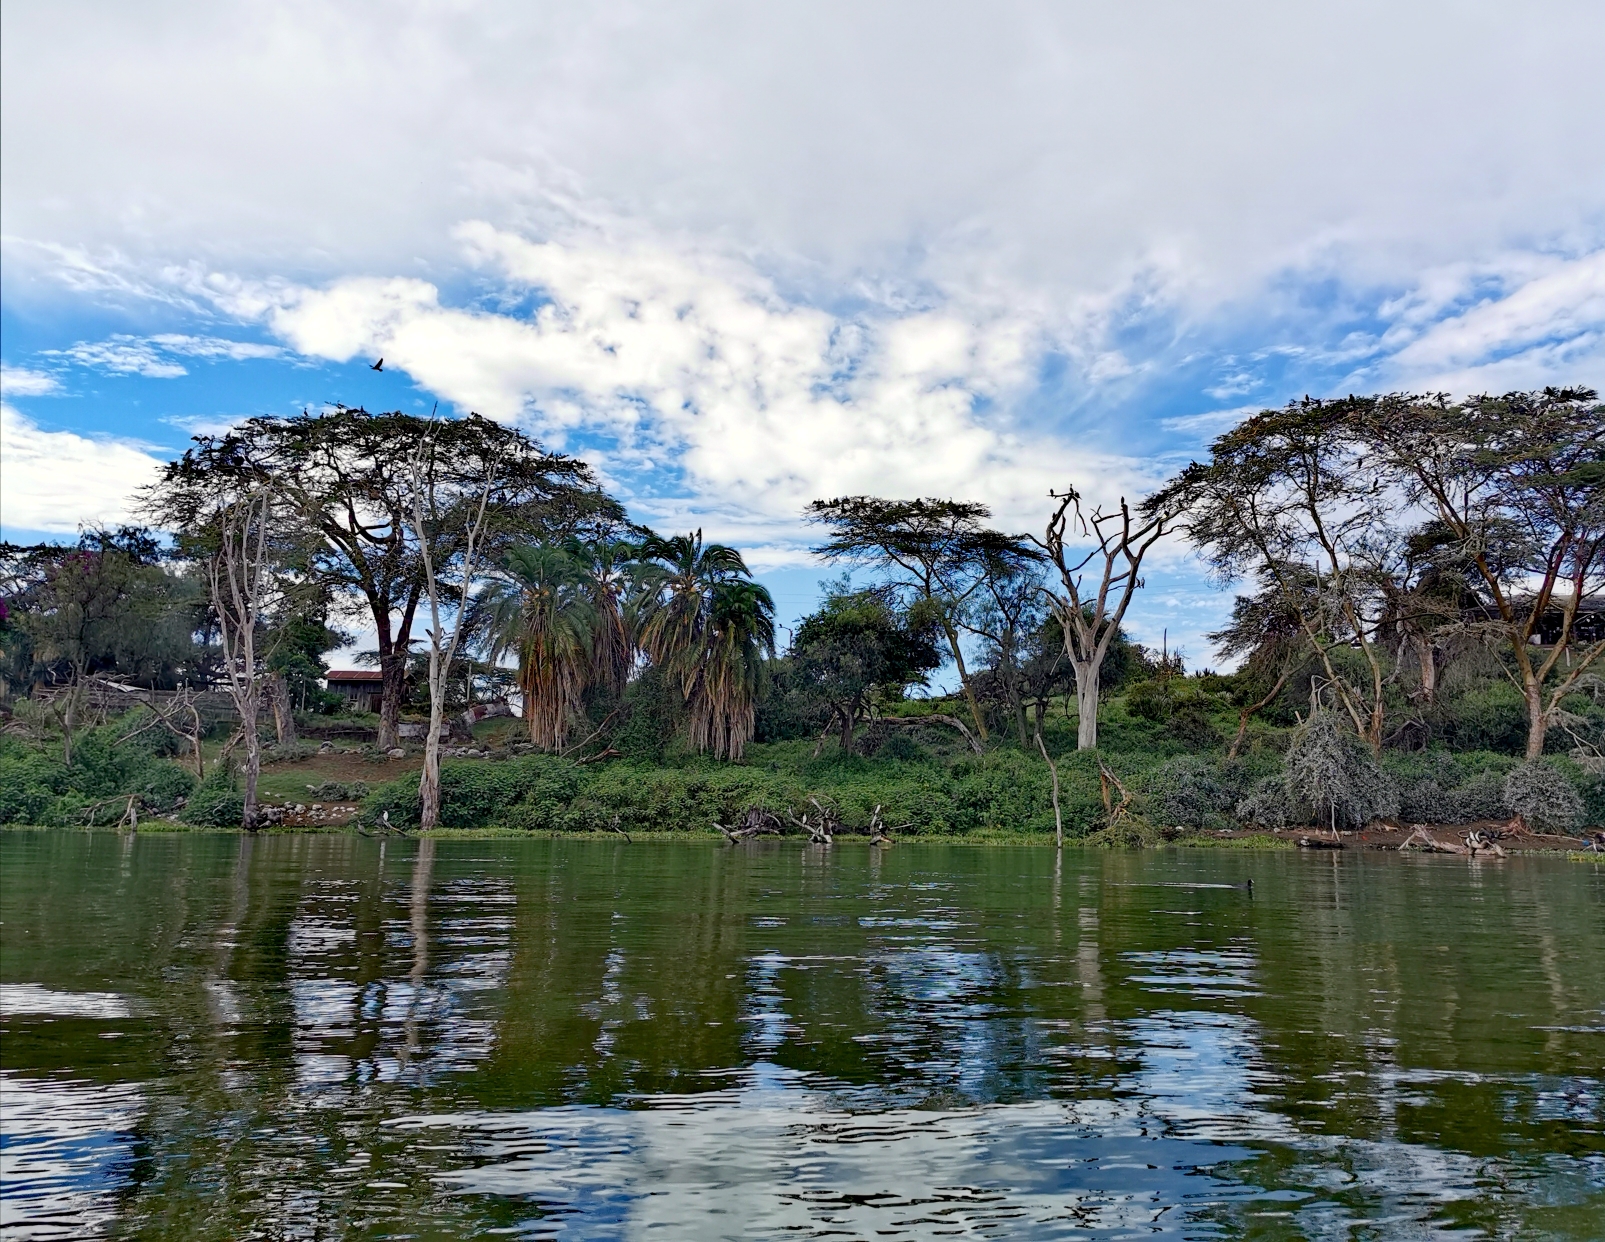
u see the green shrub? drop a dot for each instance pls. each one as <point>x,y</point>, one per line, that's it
<point>1266,805</point>
<point>1541,794</point>
<point>1491,716</point>
<point>216,803</point>
<point>1185,790</point>
<point>37,787</point>
<point>1333,778</point>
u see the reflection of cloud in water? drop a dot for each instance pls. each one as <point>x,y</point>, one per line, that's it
<point>66,1150</point>
<point>774,1158</point>
<point>32,998</point>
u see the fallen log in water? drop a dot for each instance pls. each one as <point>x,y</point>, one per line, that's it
<point>756,822</point>
<point>1319,843</point>
<point>1423,840</point>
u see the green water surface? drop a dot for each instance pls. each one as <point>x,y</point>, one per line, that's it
<point>324,1037</point>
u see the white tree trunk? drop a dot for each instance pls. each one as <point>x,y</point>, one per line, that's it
<point>1088,673</point>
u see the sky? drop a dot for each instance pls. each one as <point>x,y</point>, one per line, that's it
<point>742,256</point>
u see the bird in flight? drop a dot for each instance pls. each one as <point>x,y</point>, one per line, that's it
<point>378,366</point>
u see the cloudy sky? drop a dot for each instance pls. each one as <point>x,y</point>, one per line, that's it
<point>740,256</point>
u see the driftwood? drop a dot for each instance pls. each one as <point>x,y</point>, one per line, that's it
<point>822,826</point>
<point>756,822</point>
<point>879,833</point>
<point>614,826</point>
<point>1421,839</point>
<point>1106,778</point>
<point>1470,845</point>
<point>1319,843</point>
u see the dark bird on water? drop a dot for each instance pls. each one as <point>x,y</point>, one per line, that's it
<point>378,366</point>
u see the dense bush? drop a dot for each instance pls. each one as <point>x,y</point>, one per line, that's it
<point>1542,796</point>
<point>1332,778</point>
<point>37,787</point>
<point>1266,805</point>
<point>1490,716</point>
<point>1001,791</point>
<point>216,803</point>
<point>1185,791</point>
<point>1177,706</point>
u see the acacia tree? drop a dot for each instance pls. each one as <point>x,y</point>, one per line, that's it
<point>1517,484</point>
<point>345,477</point>
<point>1005,615</point>
<point>1267,633</point>
<point>936,551</point>
<point>105,605</point>
<point>1289,497</point>
<point>1115,544</point>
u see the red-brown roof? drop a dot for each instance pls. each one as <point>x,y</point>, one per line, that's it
<point>353,674</point>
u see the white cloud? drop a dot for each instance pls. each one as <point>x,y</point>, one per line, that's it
<point>151,356</point>
<point>1210,424</point>
<point>213,347</point>
<point>698,362</point>
<point>57,480</point>
<point>121,355</point>
<point>21,382</point>
<point>1551,310</point>
<point>1030,150</point>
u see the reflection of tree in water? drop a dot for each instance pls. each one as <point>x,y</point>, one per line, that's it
<point>298,993</point>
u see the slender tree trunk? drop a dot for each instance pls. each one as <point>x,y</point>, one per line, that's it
<point>847,731</point>
<point>1427,657</point>
<point>964,679</point>
<point>1246,712</point>
<point>1053,771</point>
<point>1088,673</point>
<point>278,691</point>
<point>68,719</point>
<point>251,770</point>
<point>429,781</point>
<point>1537,717</point>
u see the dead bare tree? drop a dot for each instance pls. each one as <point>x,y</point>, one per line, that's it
<point>426,521</point>
<point>1091,617</point>
<point>240,576</point>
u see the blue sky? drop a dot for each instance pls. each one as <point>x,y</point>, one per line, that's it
<point>739,258</point>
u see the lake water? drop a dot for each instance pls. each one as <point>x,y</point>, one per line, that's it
<point>325,1037</point>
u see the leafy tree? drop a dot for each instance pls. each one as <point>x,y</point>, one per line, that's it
<point>1516,486</point>
<point>344,476</point>
<point>107,605</point>
<point>1266,633</point>
<point>930,550</point>
<point>859,643</point>
<point>1289,499</point>
<point>1005,615</point>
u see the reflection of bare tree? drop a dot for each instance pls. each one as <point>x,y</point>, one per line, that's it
<point>422,869</point>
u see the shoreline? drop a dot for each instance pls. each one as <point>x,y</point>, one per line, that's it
<point>1379,840</point>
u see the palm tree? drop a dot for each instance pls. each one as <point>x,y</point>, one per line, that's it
<point>543,609</point>
<point>707,626</point>
<point>609,568</point>
<point>741,633</point>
